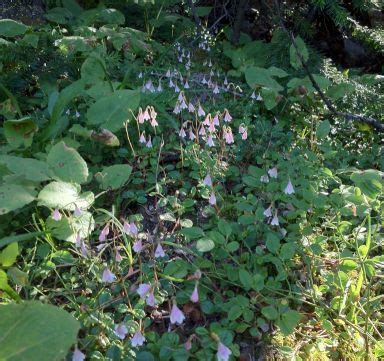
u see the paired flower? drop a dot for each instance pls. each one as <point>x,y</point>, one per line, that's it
<point>108,276</point>
<point>56,215</point>
<point>137,339</point>
<point>177,316</point>
<point>223,352</point>
<point>121,331</point>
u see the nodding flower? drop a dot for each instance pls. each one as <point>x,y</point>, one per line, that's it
<point>200,111</point>
<point>191,108</point>
<point>171,85</point>
<point>204,81</point>
<point>182,133</point>
<point>140,75</point>
<point>207,120</point>
<point>108,276</point>
<point>216,89</point>
<point>56,215</point>
<point>177,89</point>
<point>159,87</point>
<point>223,352</point>
<point>140,116</point>
<point>289,188</point>
<point>244,136</point>
<point>177,109</point>
<point>104,233</point>
<point>146,115</point>
<point>180,97</point>
<point>183,105</point>
<point>138,246</point>
<point>210,142</point>
<point>211,127</point>
<point>192,136</point>
<point>253,95</point>
<point>186,85</point>
<point>142,139</point>
<point>215,119</point>
<point>168,73</point>
<point>121,331</point>
<point>273,172</point>
<point>225,81</point>
<point>159,252</point>
<point>195,294</point>
<point>143,290</point>
<point>78,355</point>
<point>264,178</point>
<point>212,199</point>
<point>207,181</point>
<point>149,142</point>
<point>137,339</point>
<point>275,220</point>
<point>268,211</point>
<point>202,131</point>
<point>77,212</point>
<point>227,116</point>
<point>228,136</point>
<point>177,316</point>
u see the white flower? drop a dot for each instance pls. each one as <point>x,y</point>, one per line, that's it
<point>289,188</point>
<point>273,172</point>
<point>138,339</point>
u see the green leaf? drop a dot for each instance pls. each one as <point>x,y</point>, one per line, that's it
<point>111,112</point>
<point>369,181</point>
<point>29,168</point>
<point>270,312</point>
<point>256,76</point>
<point>114,177</point>
<point>224,227</point>
<point>13,196</point>
<point>65,96</point>
<point>35,332</point>
<point>9,254</point>
<point>31,39</point>
<point>234,313</point>
<point>64,196</point>
<point>288,321</point>
<point>11,28</point>
<point>303,51</point>
<point>205,245</point>
<point>59,15</point>
<point>93,69</point>
<point>287,251</point>
<point>20,132</point>
<point>67,164</point>
<point>68,227</point>
<point>323,129</point>
<point>245,278</point>
<point>192,232</point>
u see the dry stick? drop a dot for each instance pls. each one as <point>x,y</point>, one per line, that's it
<point>379,126</point>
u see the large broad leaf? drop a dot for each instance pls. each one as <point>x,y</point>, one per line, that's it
<point>58,105</point>
<point>35,332</point>
<point>115,176</point>
<point>288,321</point>
<point>59,15</point>
<point>112,111</point>
<point>93,69</point>
<point>64,196</point>
<point>19,132</point>
<point>370,182</point>
<point>9,254</point>
<point>67,164</point>
<point>67,229</point>
<point>295,59</point>
<point>29,168</point>
<point>14,196</point>
<point>11,28</point>
<point>256,76</point>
